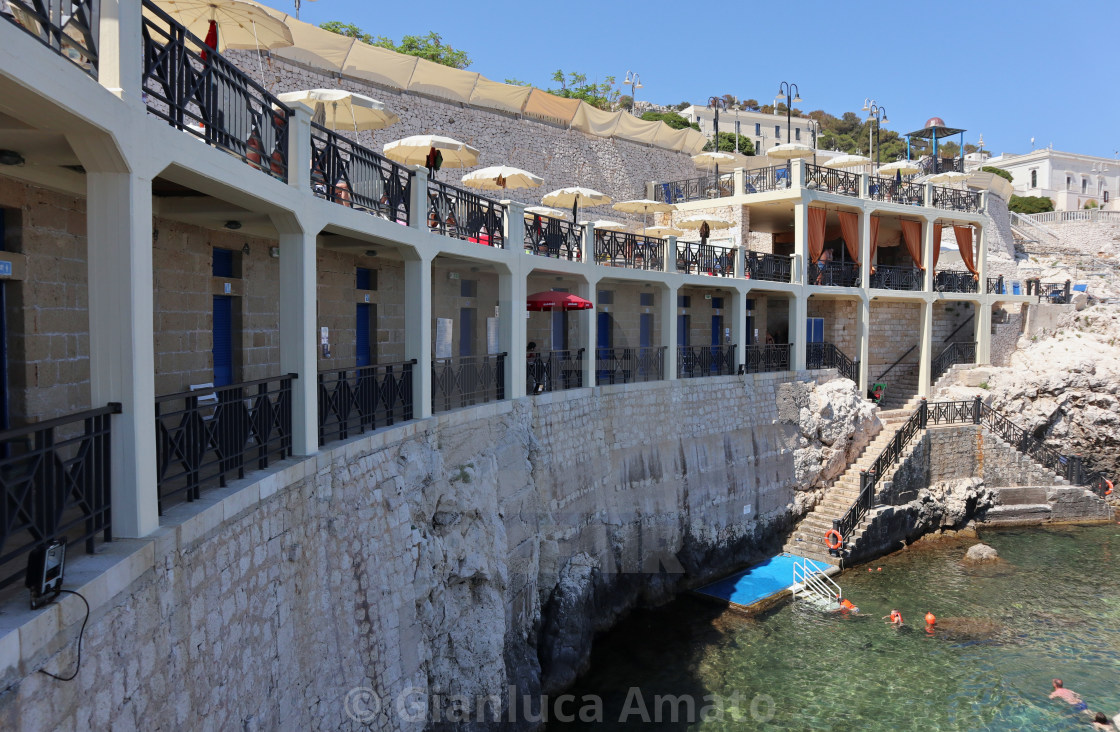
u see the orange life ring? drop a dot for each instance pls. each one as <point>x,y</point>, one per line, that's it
<point>839,539</point>
<point>1109,484</point>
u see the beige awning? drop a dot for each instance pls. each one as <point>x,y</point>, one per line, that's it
<point>637,130</point>
<point>595,121</point>
<point>543,105</point>
<point>442,81</point>
<point>503,97</point>
<point>314,46</point>
<point>379,65</point>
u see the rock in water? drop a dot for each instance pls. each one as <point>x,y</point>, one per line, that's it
<point>981,553</point>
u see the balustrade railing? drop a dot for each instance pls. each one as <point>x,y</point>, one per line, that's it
<point>696,361</point>
<point>197,90</point>
<point>695,189</point>
<point>890,190</point>
<point>769,267</point>
<point>766,358</point>
<point>205,436</point>
<point>829,356</point>
<point>554,371</point>
<point>467,380</point>
<point>831,180</point>
<point>1057,293</point>
<point>629,365</point>
<point>834,274</point>
<point>69,27</point>
<point>948,280</point>
<point>954,353</point>
<point>546,236</point>
<point>461,214</point>
<point>355,176</point>
<point>953,199</point>
<point>886,277</point>
<point>772,178</point>
<point>361,398</point>
<point>54,484</point>
<point>996,286</point>
<point>625,249</point>
<point>706,259</point>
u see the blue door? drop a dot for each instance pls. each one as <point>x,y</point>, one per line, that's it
<point>603,336</point>
<point>717,330</point>
<point>814,330</point>
<point>466,331</point>
<point>223,340</point>
<point>645,330</point>
<point>682,331</point>
<point>361,336</point>
<point>559,330</point>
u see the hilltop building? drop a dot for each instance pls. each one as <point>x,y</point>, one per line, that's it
<point>1070,180</point>
<point>764,130</point>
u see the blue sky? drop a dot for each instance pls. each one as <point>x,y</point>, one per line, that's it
<point>1009,70</point>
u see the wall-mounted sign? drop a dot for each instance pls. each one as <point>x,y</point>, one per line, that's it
<point>5,268</point>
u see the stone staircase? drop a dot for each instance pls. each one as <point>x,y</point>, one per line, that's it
<point>807,540</point>
<point>902,385</point>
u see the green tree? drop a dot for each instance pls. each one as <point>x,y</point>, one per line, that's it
<point>751,105</point>
<point>727,143</point>
<point>1030,204</point>
<point>672,119</point>
<point>574,85</point>
<point>998,171</point>
<point>430,47</point>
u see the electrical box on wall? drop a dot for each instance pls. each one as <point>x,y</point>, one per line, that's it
<point>452,275</point>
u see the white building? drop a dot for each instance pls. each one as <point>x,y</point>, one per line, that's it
<point>1070,180</point>
<point>764,130</point>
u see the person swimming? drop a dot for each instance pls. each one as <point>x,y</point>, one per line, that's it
<point>1069,696</point>
<point>895,617</point>
<point>1100,721</point>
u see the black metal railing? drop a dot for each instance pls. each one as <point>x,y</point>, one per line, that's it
<point>888,189</point>
<point>956,200</point>
<point>554,371</point>
<point>549,237</point>
<point>69,27</point>
<point>205,436</point>
<point>629,365</point>
<point>948,280</point>
<point>706,259</point>
<point>465,215</point>
<point>624,249</point>
<point>769,267</point>
<point>831,180</point>
<point>54,483</point>
<point>695,189</point>
<point>197,90</point>
<point>467,380</point>
<point>829,356</point>
<point>996,286</point>
<point>886,277</point>
<point>362,398</point>
<point>898,361</point>
<point>354,176</point>
<point>834,274</point>
<point>1056,293</point>
<point>954,353</point>
<point>766,358</point>
<point>772,178</point>
<point>696,361</point>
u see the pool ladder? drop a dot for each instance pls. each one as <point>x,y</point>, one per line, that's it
<point>811,582</point>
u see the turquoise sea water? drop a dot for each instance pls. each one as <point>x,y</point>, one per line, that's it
<point>1050,608</point>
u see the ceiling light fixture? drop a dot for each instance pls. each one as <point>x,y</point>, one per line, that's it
<point>10,157</point>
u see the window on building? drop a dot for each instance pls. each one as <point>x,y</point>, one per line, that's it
<point>1105,196</point>
<point>468,288</point>
<point>684,301</point>
<point>606,297</point>
<point>1084,185</point>
<point>645,299</point>
<point>778,131</point>
<point>1069,183</point>
<point>367,279</point>
<point>224,263</point>
<point>1034,179</point>
<point>717,303</point>
<point>814,330</point>
<point>758,129</point>
<point>797,133</point>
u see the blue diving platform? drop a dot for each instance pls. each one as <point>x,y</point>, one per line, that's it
<point>760,585</point>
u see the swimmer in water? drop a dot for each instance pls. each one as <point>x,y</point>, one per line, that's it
<point>1068,696</point>
<point>895,617</point>
<point>1100,721</point>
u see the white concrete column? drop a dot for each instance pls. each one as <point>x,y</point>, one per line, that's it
<point>927,254</point>
<point>511,328</point>
<point>797,171</point>
<point>864,186</point>
<point>670,254</point>
<point>418,329</point>
<point>737,312</point>
<point>740,181</point>
<point>299,148</point>
<point>589,247</point>
<point>798,315</point>
<point>983,332</point>
<point>120,49</point>
<point>668,308</point>
<point>298,342</point>
<point>418,205</point>
<point>514,226</point>
<point>865,246</point>
<point>588,291</point>
<point>863,342</point>
<point>925,349</point>
<point>800,243</point>
<point>121,339</point>
<point>741,261</point>
<point>980,257</point>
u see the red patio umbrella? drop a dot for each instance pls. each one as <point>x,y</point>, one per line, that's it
<point>542,301</point>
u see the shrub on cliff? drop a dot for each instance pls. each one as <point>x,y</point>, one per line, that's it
<point>1030,204</point>
<point>998,171</point>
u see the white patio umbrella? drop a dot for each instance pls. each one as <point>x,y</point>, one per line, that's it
<point>501,177</point>
<point>790,150</point>
<point>238,24</point>
<point>663,231</point>
<point>574,196</point>
<point>414,150</point>
<point>604,224</point>
<point>847,161</point>
<point>694,222</point>
<point>644,206</point>
<point>710,158</point>
<point>949,176</point>
<point>905,167</point>
<point>343,109</point>
<point>544,211</point>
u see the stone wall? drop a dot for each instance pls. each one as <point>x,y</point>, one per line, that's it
<point>454,556</point>
<point>338,298</point>
<point>948,315</point>
<point>895,327</point>
<point>840,322</point>
<point>1005,336</point>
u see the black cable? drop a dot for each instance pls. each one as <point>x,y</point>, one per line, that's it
<point>80,634</point>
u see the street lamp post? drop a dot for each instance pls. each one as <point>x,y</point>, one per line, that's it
<point>716,103</point>
<point>790,92</point>
<point>635,83</point>
<point>877,114</point>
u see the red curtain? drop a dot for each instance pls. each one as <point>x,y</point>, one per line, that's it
<point>964,243</point>
<point>936,244</point>
<point>912,235</point>
<point>817,218</point>
<point>874,239</point>
<point>849,229</point>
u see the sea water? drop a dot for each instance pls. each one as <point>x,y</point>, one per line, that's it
<point>1049,608</point>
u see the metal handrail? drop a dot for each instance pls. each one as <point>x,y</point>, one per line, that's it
<point>810,578</point>
<point>898,361</point>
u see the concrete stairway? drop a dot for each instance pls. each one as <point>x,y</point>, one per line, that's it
<point>902,385</point>
<point>807,540</point>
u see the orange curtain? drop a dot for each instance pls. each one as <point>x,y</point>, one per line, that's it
<point>874,239</point>
<point>912,235</point>
<point>817,218</point>
<point>936,244</point>
<point>849,229</point>
<point>964,243</point>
